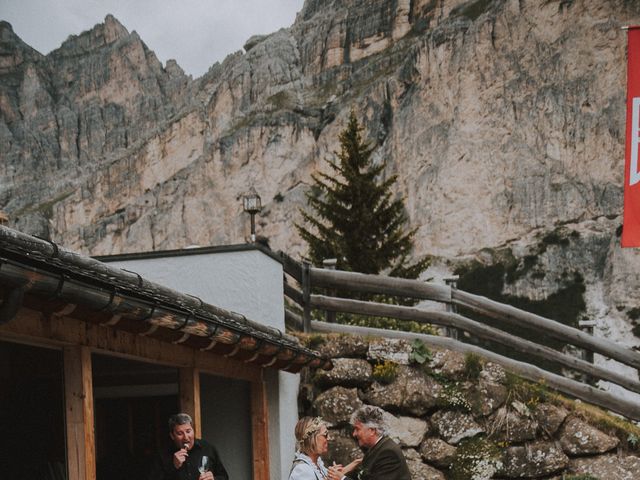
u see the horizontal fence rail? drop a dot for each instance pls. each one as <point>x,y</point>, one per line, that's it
<point>478,329</point>
<point>557,330</point>
<point>339,282</point>
<point>576,389</point>
<point>362,282</point>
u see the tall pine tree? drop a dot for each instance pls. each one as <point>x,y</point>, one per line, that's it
<point>354,217</point>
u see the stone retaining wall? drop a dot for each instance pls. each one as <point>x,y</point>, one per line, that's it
<point>461,418</point>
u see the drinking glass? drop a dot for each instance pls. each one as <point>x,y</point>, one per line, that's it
<point>204,466</point>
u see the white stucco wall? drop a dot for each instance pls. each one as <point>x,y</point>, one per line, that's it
<point>250,283</point>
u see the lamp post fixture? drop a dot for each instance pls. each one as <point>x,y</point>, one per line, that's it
<point>252,204</point>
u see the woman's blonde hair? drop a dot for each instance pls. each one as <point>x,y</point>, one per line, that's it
<point>306,432</point>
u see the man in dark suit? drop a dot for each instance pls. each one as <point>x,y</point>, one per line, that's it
<point>187,457</point>
<point>383,458</point>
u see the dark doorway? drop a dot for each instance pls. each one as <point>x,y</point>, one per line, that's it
<point>133,401</point>
<point>32,444</point>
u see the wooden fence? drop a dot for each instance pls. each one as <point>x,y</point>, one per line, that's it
<point>310,279</point>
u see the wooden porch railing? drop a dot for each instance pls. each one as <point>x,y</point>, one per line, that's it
<point>311,279</point>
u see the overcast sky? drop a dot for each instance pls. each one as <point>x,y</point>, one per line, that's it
<point>196,33</point>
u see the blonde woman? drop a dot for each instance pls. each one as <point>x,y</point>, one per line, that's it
<point>312,442</point>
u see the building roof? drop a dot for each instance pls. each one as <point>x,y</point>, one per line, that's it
<point>55,279</point>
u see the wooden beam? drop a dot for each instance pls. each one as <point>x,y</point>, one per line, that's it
<point>478,329</point>
<point>575,389</point>
<point>294,294</point>
<point>33,328</point>
<point>292,320</point>
<point>516,317</point>
<point>190,396</point>
<point>78,389</point>
<point>360,282</point>
<point>260,431</point>
<point>291,267</point>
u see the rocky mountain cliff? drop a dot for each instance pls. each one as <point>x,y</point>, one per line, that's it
<point>503,119</point>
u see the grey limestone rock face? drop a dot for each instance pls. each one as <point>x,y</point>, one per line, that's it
<point>448,362</point>
<point>580,438</point>
<point>420,470</point>
<point>549,417</point>
<point>406,431</point>
<point>455,426</point>
<point>533,460</point>
<point>347,372</point>
<point>609,467</point>
<point>508,425</point>
<point>412,391</point>
<point>493,373</point>
<point>390,349</point>
<point>437,452</point>
<point>485,396</point>
<point>343,346</point>
<point>337,404</point>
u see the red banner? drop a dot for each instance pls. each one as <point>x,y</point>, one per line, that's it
<point>631,217</point>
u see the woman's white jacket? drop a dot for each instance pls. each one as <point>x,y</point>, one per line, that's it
<point>303,468</point>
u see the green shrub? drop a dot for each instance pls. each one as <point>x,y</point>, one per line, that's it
<point>420,353</point>
<point>385,372</point>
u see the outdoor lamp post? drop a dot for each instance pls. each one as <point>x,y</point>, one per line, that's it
<point>252,204</point>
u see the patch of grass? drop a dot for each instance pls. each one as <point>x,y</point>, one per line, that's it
<point>385,323</point>
<point>523,391</point>
<point>472,366</point>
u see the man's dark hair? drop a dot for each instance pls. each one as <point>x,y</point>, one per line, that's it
<point>179,419</point>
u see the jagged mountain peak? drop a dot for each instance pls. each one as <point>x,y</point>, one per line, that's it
<point>96,38</point>
<point>13,50</point>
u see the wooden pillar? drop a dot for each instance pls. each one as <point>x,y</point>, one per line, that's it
<point>260,430</point>
<point>190,396</point>
<point>78,396</point>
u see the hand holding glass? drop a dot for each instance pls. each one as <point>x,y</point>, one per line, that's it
<point>204,467</point>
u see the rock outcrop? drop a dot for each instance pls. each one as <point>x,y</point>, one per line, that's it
<point>503,119</point>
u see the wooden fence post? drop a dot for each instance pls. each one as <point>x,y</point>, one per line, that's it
<point>306,297</point>
<point>330,264</point>
<point>452,282</point>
